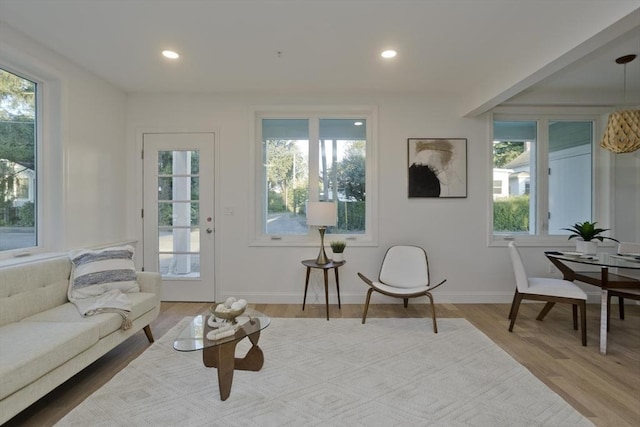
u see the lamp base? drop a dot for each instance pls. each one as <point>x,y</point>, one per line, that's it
<point>322,256</point>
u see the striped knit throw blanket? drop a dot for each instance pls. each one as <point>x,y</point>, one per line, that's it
<point>100,281</point>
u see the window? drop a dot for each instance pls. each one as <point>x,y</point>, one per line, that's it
<point>18,166</point>
<point>497,187</point>
<point>314,157</point>
<point>548,164</point>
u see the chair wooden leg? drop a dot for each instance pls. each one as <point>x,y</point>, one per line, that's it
<point>545,310</point>
<point>514,310</point>
<point>621,307</point>
<point>513,303</point>
<point>575,316</point>
<point>433,314</point>
<point>366,305</point>
<point>583,321</point>
<point>406,302</point>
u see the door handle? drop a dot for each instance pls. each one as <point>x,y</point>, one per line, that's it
<point>209,230</point>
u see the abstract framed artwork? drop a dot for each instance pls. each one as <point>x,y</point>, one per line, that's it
<point>437,167</point>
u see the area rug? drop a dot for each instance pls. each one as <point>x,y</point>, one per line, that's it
<point>387,372</point>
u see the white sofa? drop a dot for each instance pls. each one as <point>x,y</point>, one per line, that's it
<point>44,340</point>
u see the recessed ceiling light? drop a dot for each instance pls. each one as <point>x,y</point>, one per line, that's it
<point>357,123</point>
<point>170,54</point>
<point>389,54</point>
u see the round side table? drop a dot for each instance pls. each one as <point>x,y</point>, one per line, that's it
<point>311,263</point>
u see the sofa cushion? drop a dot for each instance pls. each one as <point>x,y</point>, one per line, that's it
<point>32,287</point>
<point>108,323</point>
<point>29,350</point>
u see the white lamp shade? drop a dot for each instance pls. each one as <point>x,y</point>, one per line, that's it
<point>321,213</point>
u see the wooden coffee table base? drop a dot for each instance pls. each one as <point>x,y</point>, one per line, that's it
<point>223,358</point>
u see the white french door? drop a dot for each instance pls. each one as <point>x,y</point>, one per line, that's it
<point>178,213</point>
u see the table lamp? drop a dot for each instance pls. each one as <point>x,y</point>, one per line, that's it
<point>321,215</point>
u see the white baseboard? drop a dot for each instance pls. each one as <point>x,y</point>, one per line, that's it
<point>493,297</point>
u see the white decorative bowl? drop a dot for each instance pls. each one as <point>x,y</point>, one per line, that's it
<point>228,315</point>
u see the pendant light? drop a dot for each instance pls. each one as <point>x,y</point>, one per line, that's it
<point>623,128</point>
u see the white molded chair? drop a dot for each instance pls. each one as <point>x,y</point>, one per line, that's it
<point>404,274</point>
<point>546,289</point>
<point>628,248</point>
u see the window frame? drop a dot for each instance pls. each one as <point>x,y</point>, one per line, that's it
<point>50,156</point>
<point>314,114</point>
<point>602,209</point>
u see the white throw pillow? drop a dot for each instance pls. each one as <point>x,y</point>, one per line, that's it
<point>96,271</point>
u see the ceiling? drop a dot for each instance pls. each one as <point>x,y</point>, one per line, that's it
<point>484,51</point>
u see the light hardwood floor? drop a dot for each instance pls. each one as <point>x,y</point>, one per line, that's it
<point>605,389</point>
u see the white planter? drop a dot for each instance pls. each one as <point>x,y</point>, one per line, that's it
<point>338,257</point>
<point>589,247</point>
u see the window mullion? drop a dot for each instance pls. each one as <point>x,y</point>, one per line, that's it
<point>314,158</point>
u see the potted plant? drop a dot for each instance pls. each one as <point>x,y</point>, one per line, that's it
<point>337,247</point>
<point>588,232</point>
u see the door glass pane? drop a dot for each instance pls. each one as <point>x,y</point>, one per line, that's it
<point>178,213</point>
<point>181,240</point>
<point>285,151</point>
<point>570,177</point>
<point>182,214</point>
<point>181,266</point>
<point>17,162</point>
<point>167,161</point>
<point>166,187</point>
<point>342,166</point>
<point>514,166</point>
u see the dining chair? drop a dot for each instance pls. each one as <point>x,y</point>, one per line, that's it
<point>621,294</point>
<point>624,248</point>
<point>404,274</point>
<point>628,248</point>
<point>551,290</point>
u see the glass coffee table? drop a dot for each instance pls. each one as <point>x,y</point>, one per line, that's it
<point>220,352</point>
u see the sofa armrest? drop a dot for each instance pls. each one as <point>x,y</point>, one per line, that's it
<point>149,281</point>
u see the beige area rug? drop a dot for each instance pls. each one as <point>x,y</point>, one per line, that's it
<point>389,372</point>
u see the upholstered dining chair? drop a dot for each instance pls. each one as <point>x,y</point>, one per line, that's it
<point>624,248</point>
<point>621,294</point>
<point>404,274</point>
<point>546,289</point>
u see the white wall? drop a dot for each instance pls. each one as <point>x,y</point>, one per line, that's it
<point>95,192</point>
<point>627,194</point>
<point>84,171</point>
<point>453,231</point>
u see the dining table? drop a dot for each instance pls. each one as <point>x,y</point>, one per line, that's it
<point>571,263</point>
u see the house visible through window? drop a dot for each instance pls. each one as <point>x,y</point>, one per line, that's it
<point>18,201</point>
<point>547,163</point>
<point>313,158</point>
